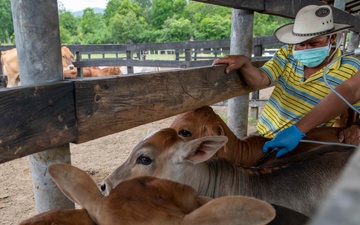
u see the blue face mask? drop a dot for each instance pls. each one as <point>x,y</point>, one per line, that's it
<point>311,57</point>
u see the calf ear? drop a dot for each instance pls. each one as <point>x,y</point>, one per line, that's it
<point>202,149</point>
<point>232,210</point>
<point>75,184</point>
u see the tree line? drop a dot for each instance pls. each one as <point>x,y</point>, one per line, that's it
<point>144,21</point>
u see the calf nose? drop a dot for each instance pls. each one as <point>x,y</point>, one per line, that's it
<point>103,187</point>
<point>71,67</point>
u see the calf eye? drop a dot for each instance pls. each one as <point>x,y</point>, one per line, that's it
<point>184,133</point>
<point>143,160</point>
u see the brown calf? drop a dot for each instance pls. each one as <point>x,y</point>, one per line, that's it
<point>204,121</point>
<point>94,72</point>
<point>147,200</point>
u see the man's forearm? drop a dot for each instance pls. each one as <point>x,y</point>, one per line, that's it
<point>254,77</point>
<point>328,108</point>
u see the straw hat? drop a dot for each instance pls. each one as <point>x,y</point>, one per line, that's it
<point>310,22</point>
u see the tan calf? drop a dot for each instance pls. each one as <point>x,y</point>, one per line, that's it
<point>94,72</point>
<point>147,200</point>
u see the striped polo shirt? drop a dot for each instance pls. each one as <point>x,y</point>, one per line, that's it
<point>293,96</point>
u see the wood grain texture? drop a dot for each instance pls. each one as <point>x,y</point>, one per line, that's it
<point>107,106</point>
<point>42,117</point>
<point>36,118</point>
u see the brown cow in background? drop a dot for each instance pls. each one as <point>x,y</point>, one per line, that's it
<point>10,64</point>
<point>94,72</point>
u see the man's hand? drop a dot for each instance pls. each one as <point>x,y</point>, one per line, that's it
<point>234,62</point>
<point>350,135</point>
<point>285,141</point>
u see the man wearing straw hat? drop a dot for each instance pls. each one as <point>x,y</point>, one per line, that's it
<point>297,70</point>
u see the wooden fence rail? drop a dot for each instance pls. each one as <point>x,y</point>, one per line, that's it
<point>77,110</point>
<point>191,50</point>
<point>42,117</point>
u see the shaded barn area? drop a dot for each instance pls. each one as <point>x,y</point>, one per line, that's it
<point>38,117</point>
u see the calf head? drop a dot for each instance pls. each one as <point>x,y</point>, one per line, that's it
<point>115,70</point>
<point>164,154</point>
<point>202,122</point>
<point>147,200</point>
<point>67,58</point>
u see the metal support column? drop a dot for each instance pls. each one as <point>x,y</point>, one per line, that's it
<point>36,26</point>
<point>240,43</point>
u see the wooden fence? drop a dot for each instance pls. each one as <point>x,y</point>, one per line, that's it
<point>187,54</point>
<point>78,110</point>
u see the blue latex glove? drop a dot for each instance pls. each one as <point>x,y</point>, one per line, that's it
<point>285,141</point>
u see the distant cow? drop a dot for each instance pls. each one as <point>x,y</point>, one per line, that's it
<point>299,182</point>
<point>204,121</point>
<point>9,61</point>
<point>94,72</point>
<point>146,200</point>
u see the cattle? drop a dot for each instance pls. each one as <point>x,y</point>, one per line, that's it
<point>9,61</point>
<point>94,72</point>
<point>146,200</point>
<point>298,182</point>
<point>247,151</point>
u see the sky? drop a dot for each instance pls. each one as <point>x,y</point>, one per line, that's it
<point>79,5</point>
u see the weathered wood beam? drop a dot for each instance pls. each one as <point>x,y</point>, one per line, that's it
<point>36,118</point>
<point>107,106</point>
<point>41,117</point>
<point>285,8</point>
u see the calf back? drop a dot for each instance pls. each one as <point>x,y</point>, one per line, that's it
<point>204,121</point>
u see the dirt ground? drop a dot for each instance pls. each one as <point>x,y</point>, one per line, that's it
<point>98,157</point>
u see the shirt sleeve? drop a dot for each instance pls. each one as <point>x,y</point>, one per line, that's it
<point>275,67</point>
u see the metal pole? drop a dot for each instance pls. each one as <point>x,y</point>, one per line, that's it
<point>240,43</point>
<point>38,46</point>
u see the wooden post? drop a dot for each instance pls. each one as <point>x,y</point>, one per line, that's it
<point>79,69</point>
<point>38,46</point>
<point>254,111</point>
<point>240,43</point>
<point>177,54</point>
<point>130,69</point>
<point>187,57</point>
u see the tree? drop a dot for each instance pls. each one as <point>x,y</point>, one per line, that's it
<point>92,27</point>
<point>178,6</point>
<point>196,11</point>
<point>265,25</point>
<point>68,27</point>
<point>144,4</point>
<point>110,10</point>
<point>214,28</point>
<point>161,11</point>
<point>126,6</point>
<point>6,24</point>
<point>176,30</point>
<point>128,27</point>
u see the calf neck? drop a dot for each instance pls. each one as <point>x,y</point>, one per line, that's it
<point>298,182</point>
